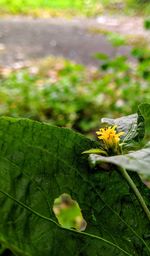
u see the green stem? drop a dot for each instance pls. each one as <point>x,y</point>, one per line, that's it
<point>136,191</point>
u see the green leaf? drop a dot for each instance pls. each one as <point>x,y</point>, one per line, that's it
<point>95,151</point>
<point>38,163</point>
<point>138,161</point>
<point>132,126</point>
<point>147,24</point>
<point>101,56</point>
<point>116,39</point>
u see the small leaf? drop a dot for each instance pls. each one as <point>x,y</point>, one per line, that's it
<point>95,151</point>
<point>69,213</point>
<point>101,56</point>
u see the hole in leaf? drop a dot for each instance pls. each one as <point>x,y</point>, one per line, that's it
<point>68,213</point>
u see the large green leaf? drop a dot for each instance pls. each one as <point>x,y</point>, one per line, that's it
<point>38,163</point>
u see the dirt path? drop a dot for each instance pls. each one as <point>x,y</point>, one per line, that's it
<point>24,39</point>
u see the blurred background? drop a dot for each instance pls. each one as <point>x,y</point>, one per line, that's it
<point>69,63</point>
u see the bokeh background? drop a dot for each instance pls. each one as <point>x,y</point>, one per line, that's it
<point>70,63</point>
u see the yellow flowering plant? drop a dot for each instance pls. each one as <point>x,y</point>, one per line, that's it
<point>113,137</point>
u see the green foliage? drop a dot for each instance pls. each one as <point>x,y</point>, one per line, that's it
<point>38,162</point>
<point>116,39</point>
<point>38,7</point>
<point>147,23</point>
<point>74,96</point>
<point>64,101</point>
<point>141,6</point>
<point>69,7</point>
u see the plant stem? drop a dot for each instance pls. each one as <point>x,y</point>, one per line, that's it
<point>136,191</point>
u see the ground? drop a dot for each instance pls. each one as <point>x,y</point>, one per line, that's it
<point>78,39</point>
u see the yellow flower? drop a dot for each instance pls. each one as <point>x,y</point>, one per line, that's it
<point>110,137</point>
